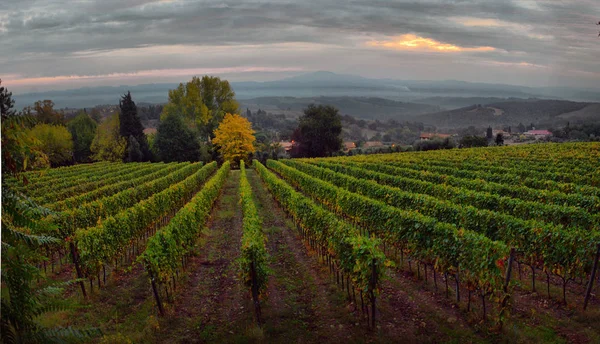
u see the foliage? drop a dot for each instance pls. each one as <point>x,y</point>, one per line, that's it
<point>472,141</point>
<point>116,198</point>
<point>6,102</point>
<point>108,144</point>
<point>134,152</point>
<point>254,251</point>
<point>45,113</point>
<point>130,125</point>
<point>434,144</point>
<point>318,133</point>
<point>428,239</point>
<point>22,303</point>
<point>102,244</point>
<point>499,139</point>
<point>55,141</point>
<point>203,103</point>
<point>166,248</point>
<point>104,182</point>
<point>235,138</point>
<point>356,255</point>
<point>20,150</point>
<point>176,142</point>
<point>83,130</point>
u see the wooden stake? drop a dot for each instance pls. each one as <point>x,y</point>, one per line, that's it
<point>590,285</point>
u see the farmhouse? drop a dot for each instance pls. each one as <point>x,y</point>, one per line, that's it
<point>431,136</point>
<point>538,134</point>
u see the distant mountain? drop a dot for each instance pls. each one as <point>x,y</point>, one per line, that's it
<point>360,107</point>
<point>323,83</point>
<point>543,113</point>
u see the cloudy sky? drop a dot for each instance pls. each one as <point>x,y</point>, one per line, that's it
<point>60,44</point>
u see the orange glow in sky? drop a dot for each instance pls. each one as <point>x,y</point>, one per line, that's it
<point>417,43</point>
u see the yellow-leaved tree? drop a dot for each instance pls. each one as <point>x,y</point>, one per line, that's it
<point>235,138</point>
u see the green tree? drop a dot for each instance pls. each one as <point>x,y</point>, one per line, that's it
<point>56,142</point>
<point>500,139</point>
<point>175,141</point>
<point>203,103</point>
<point>83,130</point>
<point>6,102</point>
<point>24,238</point>
<point>130,125</point>
<point>134,153</point>
<point>108,144</point>
<point>318,133</point>
<point>45,113</point>
<point>473,141</point>
<point>96,115</point>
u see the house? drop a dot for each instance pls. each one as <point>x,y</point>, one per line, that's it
<point>286,145</point>
<point>504,133</point>
<point>538,134</point>
<point>431,136</point>
<point>348,145</point>
<point>371,144</point>
<point>150,131</point>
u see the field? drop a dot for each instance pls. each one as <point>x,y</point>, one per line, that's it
<point>475,245</point>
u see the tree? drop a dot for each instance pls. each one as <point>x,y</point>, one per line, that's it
<point>235,138</point>
<point>45,113</point>
<point>174,141</point>
<point>130,125</point>
<point>499,139</point>
<point>83,130</point>
<point>6,102</point>
<point>96,115</point>
<point>473,141</point>
<point>55,141</point>
<point>108,144</point>
<point>134,153</point>
<point>489,133</point>
<point>318,132</point>
<point>203,103</point>
<point>521,128</point>
<point>24,235</point>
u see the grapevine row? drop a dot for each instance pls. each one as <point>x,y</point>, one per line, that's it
<point>87,184</point>
<point>88,215</point>
<point>254,257</point>
<point>105,243</point>
<point>567,255</point>
<point>136,178</point>
<point>588,203</point>
<point>423,237</point>
<point>167,248</point>
<point>566,216</point>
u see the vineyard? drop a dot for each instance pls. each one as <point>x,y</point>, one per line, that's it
<point>485,244</point>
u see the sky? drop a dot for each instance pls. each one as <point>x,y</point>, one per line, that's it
<point>62,44</point>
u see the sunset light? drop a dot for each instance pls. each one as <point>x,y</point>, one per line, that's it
<point>418,43</point>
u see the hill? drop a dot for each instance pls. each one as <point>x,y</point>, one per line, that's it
<point>540,112</point>
<point>360,107</point>
<point>444,93</point>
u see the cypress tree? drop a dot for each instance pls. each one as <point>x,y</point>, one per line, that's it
<point>131,125</point>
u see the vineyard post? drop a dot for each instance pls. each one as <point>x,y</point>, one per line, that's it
<point>255,292</point>
<point>373,298</point>
<point>592,277</point>
<point>77,268</point>
<point>507,277</point>
<point>161,310</point>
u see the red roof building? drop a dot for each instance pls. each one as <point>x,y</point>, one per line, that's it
<point>431,136</point>
<point>538,133</point>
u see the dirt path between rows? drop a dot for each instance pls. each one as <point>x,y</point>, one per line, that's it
<point>212,305</point>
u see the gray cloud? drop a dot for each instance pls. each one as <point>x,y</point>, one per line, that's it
<point>47,37</point>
